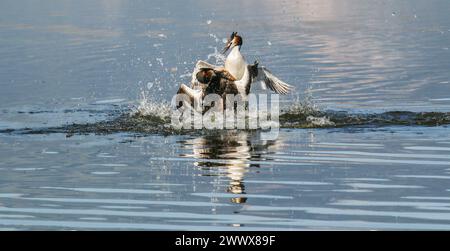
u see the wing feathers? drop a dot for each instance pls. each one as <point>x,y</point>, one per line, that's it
<point>274,83</point>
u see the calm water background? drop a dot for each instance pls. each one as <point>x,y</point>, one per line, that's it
<point>86,61</point>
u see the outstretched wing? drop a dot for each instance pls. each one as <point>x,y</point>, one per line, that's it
<point>202,64</point>
<point>193,96</point>
<point>274,83</point>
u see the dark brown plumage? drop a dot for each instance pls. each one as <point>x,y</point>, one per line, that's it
<point>220,82</point>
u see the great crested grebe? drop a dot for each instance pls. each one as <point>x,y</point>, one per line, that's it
<point>235,64</point>
<point>235,78</point>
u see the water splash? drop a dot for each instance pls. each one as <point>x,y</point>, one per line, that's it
<point>217,57</point>
<point>150,116</point>
<point>303,105</point>
<point>150,108</point>
<point>149,120</point>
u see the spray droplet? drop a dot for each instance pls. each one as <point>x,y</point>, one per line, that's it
<point>209,22</point>
<point>269,43</point>
<point>160,61</point>
<point>149,85</point>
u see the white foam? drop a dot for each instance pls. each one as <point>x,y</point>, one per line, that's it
<point>320,121</point>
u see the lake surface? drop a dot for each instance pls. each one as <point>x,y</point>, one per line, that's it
<point>72,156</point>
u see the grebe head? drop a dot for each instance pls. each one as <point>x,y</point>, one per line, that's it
<point>206,75</point>
<point>234,40</point>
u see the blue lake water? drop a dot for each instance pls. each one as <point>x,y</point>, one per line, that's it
<point>91,62</point>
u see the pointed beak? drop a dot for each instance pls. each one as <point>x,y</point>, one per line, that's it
<point>227,47</point>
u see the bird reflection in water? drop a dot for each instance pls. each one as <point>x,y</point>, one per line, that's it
<point>230,154</point>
